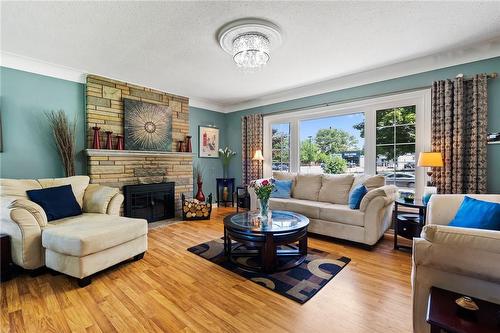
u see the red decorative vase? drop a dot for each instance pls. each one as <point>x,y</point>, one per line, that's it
<point>179,146</point>
<point>119,142</point>
<point>109,140</point>
<point>96,144</point>
<point>199,195</point>
<point>189,148</point>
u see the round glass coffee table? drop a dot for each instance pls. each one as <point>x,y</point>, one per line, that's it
<point>271,243</point>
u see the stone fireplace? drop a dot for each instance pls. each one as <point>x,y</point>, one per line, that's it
<point>118,168</point>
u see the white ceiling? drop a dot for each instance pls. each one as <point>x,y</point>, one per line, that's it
<point>172,46</point>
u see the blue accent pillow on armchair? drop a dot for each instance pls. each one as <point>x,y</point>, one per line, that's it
<point>57,202</point>
<point>477,214</point>
<point>356,196</point>
<point>282,189</point>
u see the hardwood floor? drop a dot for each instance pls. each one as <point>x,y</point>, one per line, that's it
<point>173,290</point>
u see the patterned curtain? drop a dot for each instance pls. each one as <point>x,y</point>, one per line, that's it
<point>459,132</point>
<point>251,140</point>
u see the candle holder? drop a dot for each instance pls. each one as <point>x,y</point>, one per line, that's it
<point>109,140</point>
<point>189,147</point>
<point>96,144</point>
<point>119,142</point>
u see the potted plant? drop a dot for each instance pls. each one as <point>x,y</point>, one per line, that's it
<point>226,155</point>
<point>263,189</point>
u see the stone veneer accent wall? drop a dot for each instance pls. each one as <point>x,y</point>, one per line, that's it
<point>104,107</point>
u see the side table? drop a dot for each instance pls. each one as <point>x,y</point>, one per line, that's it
<point>5,258</point>
<point>408,225</point>
<point>443,314</point>
<point>242,197</point>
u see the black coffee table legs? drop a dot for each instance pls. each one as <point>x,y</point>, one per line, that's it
<point>268,254</point>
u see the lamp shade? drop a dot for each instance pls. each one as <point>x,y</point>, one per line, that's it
<point>430,159</point>
<point>258,155</point>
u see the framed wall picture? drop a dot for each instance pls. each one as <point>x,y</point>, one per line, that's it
<point>208,142</point>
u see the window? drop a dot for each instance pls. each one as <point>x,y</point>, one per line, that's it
<point>281,147</point>
<point>332,144</point>
<point>395,148</point>
<point>381,135</point>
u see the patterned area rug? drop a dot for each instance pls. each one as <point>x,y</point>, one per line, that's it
<point>299,284</point>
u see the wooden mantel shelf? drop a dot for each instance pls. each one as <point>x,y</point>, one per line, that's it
<point>109,152</point>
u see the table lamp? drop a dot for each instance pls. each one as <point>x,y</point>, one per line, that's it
<point>258,155</point>
<point>429,160</point>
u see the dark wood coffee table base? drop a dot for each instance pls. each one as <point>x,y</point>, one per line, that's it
<point>266,249</point>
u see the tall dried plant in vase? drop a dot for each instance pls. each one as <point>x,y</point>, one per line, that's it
<point>198,175</point>
<point>64,138</point>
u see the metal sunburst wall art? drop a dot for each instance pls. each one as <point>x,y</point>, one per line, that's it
<point>147,126</point>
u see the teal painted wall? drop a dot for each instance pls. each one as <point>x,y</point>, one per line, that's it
<point>233,120</point>
<point>28,148</point>
<point>212,167</point>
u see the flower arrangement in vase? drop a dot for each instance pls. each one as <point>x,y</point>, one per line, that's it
<point>263,189</point>
<point>226,155</point>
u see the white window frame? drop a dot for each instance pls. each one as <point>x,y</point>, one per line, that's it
<point>420,98</point>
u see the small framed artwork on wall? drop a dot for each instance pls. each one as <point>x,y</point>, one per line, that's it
<point>208,141</point>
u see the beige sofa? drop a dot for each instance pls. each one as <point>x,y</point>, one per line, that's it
<point>324,200</point>
<point>78,246</point>
<point>462,260</point>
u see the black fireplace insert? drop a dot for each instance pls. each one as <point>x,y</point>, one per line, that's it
<point>152,202</point>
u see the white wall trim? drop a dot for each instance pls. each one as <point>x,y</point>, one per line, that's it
<point>36,66</point>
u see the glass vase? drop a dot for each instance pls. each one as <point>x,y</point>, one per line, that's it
<point>263,207</point>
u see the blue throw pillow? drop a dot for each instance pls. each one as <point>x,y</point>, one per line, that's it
<point>57,202</point>
<point>282,189</point>
<point>356,196</point>
<point>477,214</point>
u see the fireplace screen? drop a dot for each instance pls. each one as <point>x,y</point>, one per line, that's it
<point>152,202</point>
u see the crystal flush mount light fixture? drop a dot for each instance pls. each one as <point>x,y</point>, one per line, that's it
<point>250,42</point>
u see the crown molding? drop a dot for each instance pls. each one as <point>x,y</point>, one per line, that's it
<point>202,103</point>
<point>476,52</point>
<point>36,66</point>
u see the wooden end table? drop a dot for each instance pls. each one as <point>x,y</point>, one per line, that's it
<point>408,225</point>
<point>442,314</point>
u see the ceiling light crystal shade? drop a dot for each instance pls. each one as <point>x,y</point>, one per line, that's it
<point>251,50</point>
<point>250,42</point>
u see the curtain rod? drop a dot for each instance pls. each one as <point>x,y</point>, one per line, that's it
<point>492,75</point>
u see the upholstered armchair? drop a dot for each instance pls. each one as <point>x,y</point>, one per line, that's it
<point>463,260</point>
<point>25,220</point>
